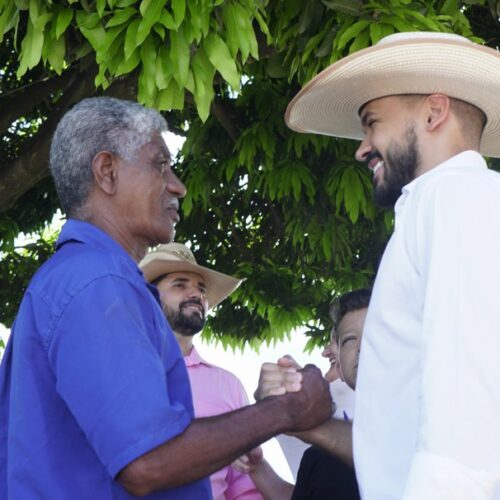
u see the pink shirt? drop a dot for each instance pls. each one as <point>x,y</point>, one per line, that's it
<point>217,391</point>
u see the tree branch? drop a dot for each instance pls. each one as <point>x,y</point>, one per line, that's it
<point>31,167</point>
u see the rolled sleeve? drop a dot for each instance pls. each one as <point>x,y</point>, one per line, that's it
<point>107,356</point>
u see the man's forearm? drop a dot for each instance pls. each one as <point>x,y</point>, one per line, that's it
<point>334,436</point>
<point>205,446</point>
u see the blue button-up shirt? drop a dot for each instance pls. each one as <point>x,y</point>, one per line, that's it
<point>92,376</point>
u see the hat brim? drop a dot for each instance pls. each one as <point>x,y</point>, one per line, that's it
<point>219,285</point>
<point>329,104</point>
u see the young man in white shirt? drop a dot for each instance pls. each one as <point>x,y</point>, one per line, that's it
<point>425,105</point>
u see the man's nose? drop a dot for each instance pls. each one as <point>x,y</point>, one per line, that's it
<point>176,186</point>
<point>365,148</point>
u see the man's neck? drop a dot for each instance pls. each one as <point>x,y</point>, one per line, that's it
<point>185,343</point>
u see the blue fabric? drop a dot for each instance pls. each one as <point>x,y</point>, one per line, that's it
<point>92,376</point>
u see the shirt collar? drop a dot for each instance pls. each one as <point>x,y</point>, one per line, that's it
<point>194,358</point>
<point>78,231</point>
<point>464,159</point>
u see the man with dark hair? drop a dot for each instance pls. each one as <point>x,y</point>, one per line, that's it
<point>424,105</point>
<point>95,398</point>
<point>325,471</point>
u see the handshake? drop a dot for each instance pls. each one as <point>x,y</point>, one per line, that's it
<point>304,393</point>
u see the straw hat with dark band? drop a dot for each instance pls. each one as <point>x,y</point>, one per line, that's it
<point>175,258</point>
<point>404,63</point>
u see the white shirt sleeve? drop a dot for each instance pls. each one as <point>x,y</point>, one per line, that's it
<point>455,243</point>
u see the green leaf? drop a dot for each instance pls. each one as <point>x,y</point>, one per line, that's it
<point>375,33</point>
<point>399,24</point>
<point>450,7</point>
<point>87,21</point>
<point>163,68</point>
<point>167,20</point>
<point>352,7</point>
<point>350,33</point>
<point>31,49</point>
<point>131,38</point>
<point>100,7</point>
<point>121,16</point>
<point>221,59</point>
<point>55,52</point>
<point>129,64</point>
<point>123,3</point>
<point>203,72</point>
<point>64,17</point>
<point>109,47</point>
<point>151,13</point>
<point>170,98</point>
<point>360,42</point>
<point>148,57</point>
<point>179,10</point>
<point>22,4</point>
<point>95,36</point>
<point>179,55</point>
<point>7,19</point>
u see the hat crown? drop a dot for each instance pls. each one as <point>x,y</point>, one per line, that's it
<point>178,251</point>
<point>422,35</point>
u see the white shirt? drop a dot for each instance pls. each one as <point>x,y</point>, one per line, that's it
<point>427,421</point>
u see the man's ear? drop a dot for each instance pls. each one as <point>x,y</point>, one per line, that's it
<point>104,167</point>
<point>437,111</point>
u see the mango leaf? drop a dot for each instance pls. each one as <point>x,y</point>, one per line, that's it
<point>129,64</point>
<point>151,11</point>
<point>148,58</point>
<point>350,33</point>
<point>87,21</point>
<point>56,50</point>
<point>221,59</point>
<point>203,73</point>
<point>122,3</point>
<point>170,98</point>
<point>64,17</point>
<point>131,38</point>
<point>163,68</point>
<point>179,10</point>
<point>352,7</point>
<point>100,7</point>
<point>121,16</point>
<point>31,49</point>
<point>7,18</point>
<point>360,42</point>
<point>167,20</point>
<point>179,56</point>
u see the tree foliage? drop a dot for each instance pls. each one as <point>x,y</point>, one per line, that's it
<point>290,213</point>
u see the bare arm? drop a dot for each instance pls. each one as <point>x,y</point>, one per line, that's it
<point>211,443</point>
<point>334,436</point>
<point>270,484</point>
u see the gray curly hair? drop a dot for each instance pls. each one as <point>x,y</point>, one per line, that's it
<point>93,125</point>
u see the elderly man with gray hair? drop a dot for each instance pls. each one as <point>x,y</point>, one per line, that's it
<point>94,396</point>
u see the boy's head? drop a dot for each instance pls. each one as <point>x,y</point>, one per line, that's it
<point>348,314</point>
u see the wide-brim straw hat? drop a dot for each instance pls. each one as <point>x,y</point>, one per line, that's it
<point>403,63</point>
<point>175,258</point>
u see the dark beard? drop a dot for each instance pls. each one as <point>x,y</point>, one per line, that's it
<point>184,324</point>
<point>401,164</point>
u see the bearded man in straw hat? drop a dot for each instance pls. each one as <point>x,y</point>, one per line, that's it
<point>187,292</point>
<point>425,105</point>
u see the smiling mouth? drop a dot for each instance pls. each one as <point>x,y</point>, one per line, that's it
<point>377,166</point>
